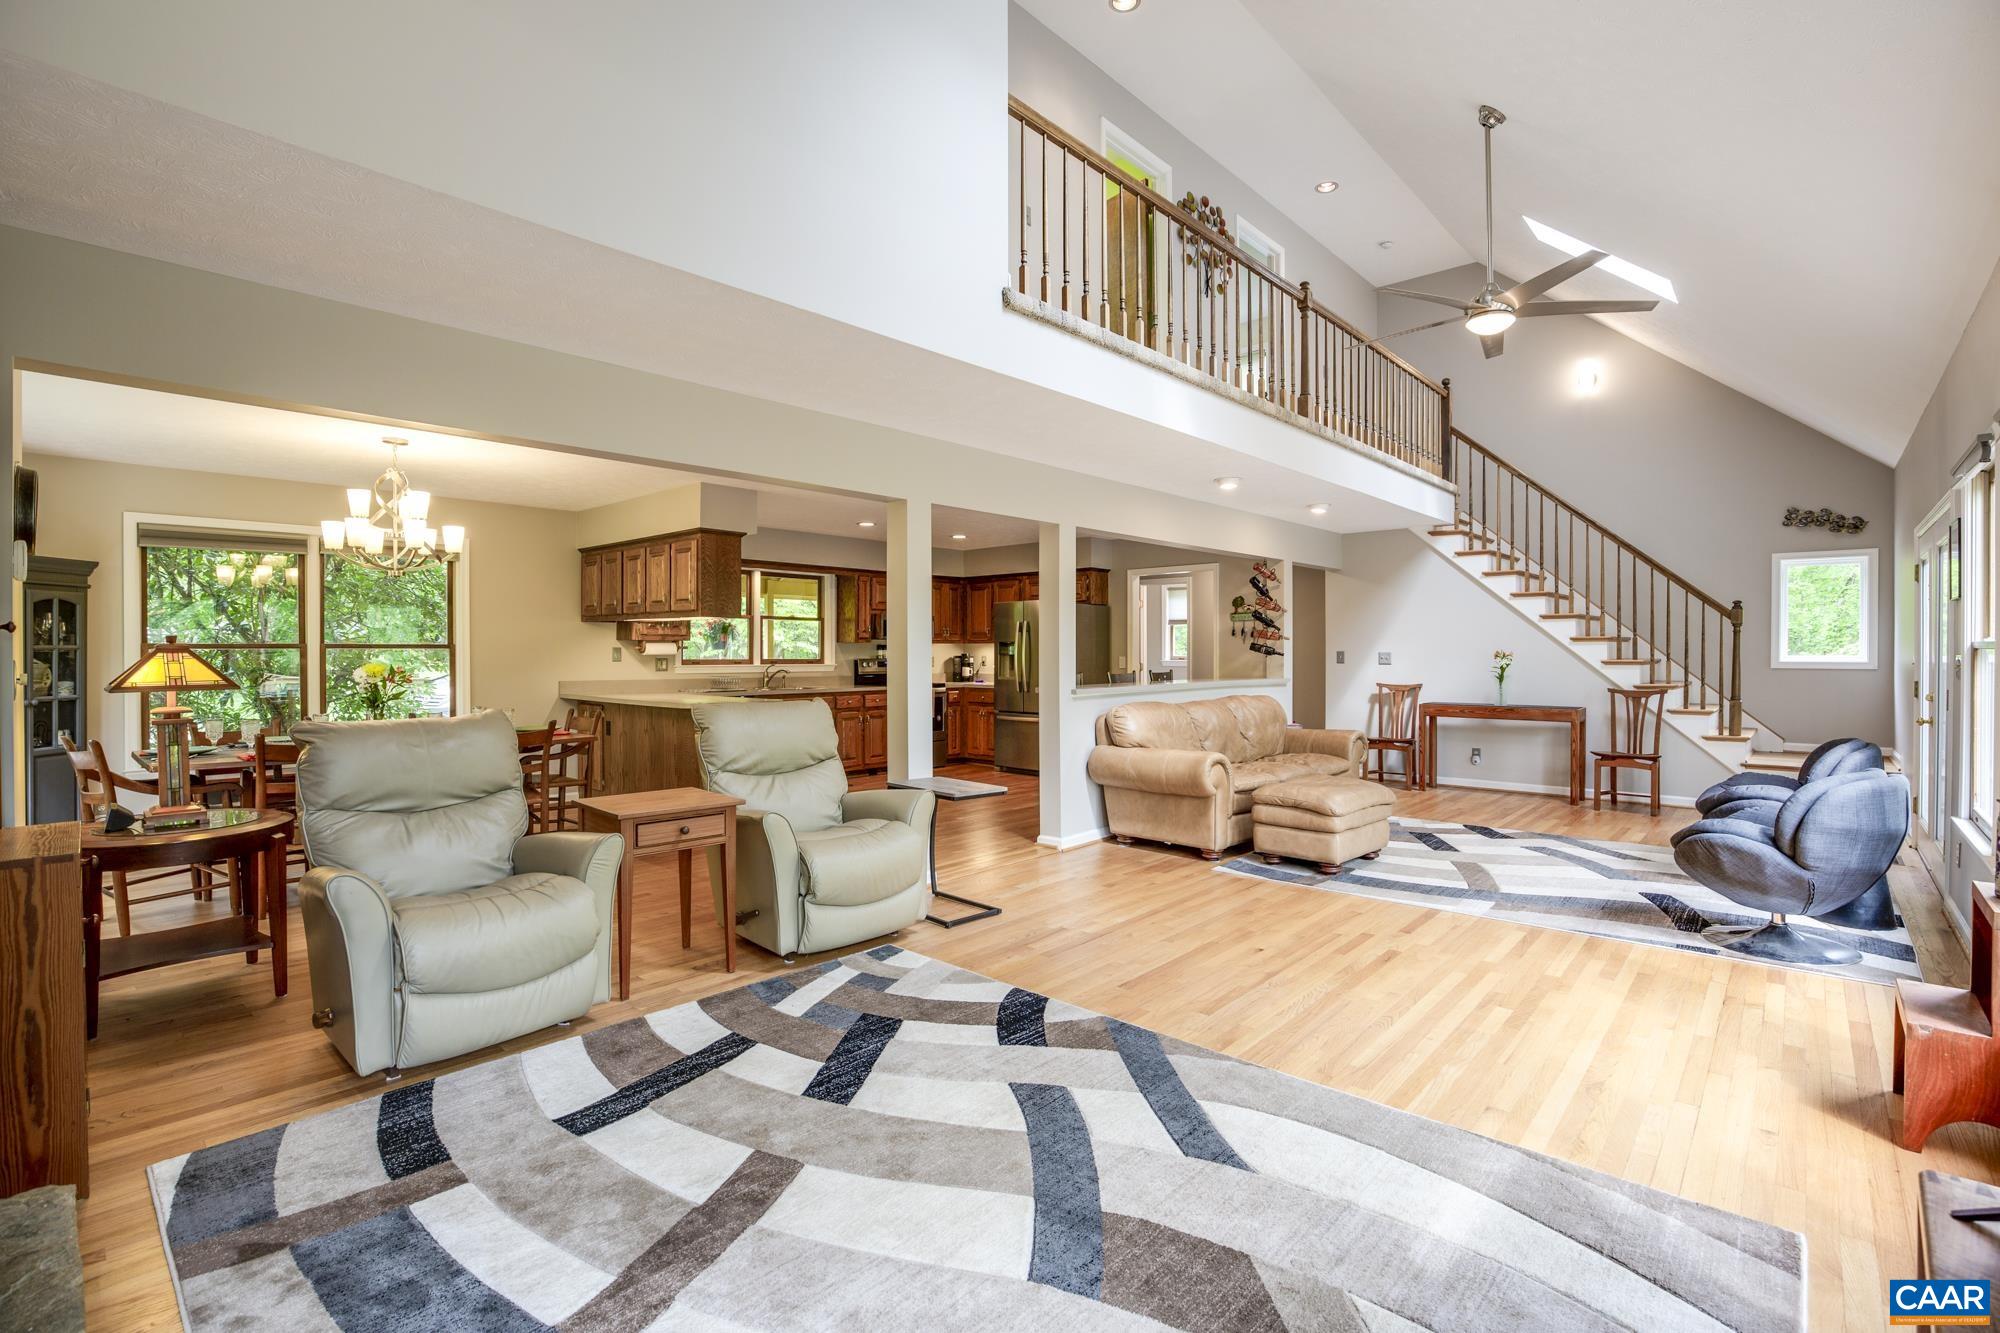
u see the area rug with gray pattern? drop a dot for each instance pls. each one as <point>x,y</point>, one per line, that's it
<point>888,1142</point>
<point>1620,890</point>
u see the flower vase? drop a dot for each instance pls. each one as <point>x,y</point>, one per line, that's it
<point>1500,690</point>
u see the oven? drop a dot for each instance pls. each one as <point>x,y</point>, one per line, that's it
<point>940,750</point>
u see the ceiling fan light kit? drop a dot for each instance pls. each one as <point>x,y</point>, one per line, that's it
<point>1490,314</point>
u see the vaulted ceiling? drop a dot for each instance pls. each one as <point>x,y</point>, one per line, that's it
<point>1818,178</point>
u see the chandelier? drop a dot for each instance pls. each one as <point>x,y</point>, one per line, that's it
<point>388,527</point>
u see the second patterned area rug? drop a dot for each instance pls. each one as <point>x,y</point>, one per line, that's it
<point>887,1142</point>
<point>1620,890</point>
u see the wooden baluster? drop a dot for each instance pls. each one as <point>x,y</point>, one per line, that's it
<point>1064,164</point>
<point>1083,240</point>
<point>1021,214</point>
<point>1044,160</point>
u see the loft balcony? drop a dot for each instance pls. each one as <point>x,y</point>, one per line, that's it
<point>1100,253</point>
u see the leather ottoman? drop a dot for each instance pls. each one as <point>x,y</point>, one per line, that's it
<point>1323,819</point>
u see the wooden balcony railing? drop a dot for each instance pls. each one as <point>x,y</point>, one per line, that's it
<point>1098,243</point>
<point>1686,640</point>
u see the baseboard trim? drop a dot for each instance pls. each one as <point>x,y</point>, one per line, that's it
<point>1541,789</point>
<point>1074,840</point>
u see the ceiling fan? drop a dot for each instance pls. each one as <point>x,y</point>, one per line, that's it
<point>1491,313</point>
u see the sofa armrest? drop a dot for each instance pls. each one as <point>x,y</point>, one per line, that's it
<point>1167,772</point>
<point>351,954</point>
<point>1349,745</point>
<point>590,857</point>
<point>897,805</point>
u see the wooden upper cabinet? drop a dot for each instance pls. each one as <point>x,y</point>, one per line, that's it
<point>979,612</point>
<point>1093,586</point>
<point>1007,588</point>
<point>682,557</point>
<point>659,580</point>
<point>632,575</point>
<point>592,607</point>
<point>609,570</point>
<point>1031,587</point>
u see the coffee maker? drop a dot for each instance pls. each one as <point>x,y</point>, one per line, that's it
<point>960,667</point>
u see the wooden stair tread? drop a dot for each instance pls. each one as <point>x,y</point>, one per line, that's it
<point>1508,574</point>
<point>1748,732</point>
<point>1693,712</point>
<point>1538,592</point>
<point>1451,532</point>
<point>1597,638</point>
<point>1628,661</point>
<point>1571,615</point>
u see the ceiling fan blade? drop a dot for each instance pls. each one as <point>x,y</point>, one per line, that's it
<point>1434,324</point>
<point>1426,296</point>
<point>1493,344</point>
<point>1556,276</point>
<point>1583,307</point>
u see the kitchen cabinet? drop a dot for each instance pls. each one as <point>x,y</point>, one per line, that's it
<point>979,611</point>
<point>954,724</point>
<point>849,729</point>
<point>947,611</point>
<point>978,724</point>
<point>861,729</point>
<point>1007,588</point>
<point>1031,587</point>
<point>875,731</point>
<point>697,573</point>
<point>1093,586</point>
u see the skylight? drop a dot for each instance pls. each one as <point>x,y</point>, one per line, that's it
<point>1624,268</point>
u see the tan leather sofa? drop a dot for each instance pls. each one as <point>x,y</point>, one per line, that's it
<point>1184,773</point>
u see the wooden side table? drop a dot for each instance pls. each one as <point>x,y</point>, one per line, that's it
<point>1947,1062</point>
<point>254,839</point>
<point>677,819</point>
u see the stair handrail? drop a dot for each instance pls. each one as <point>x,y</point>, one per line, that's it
<point>1729,686</point>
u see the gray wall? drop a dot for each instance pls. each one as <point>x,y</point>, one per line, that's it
<point>1681,466</point>
<point>1059,82</point>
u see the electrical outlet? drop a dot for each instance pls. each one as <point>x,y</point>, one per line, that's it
<point>662,663</point>
<point>1475,756</point>
<point>1381,659</point>
<point>617,653</point>
<point>1340,657</point>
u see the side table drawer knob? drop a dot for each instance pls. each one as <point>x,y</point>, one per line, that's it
<point>684,830</point>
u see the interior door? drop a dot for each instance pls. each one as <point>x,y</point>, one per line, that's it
<point>1129,278</point>
<point>1937,671</point>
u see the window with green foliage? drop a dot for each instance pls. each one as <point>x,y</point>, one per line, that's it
<point>720,639</point>
<point>370,620</point>
<point>239,609</point>
<point>783,619</point>
<point>1823,609</point>
<point>1177,622</point>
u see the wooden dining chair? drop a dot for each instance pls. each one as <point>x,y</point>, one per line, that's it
<point>588,720</point>
<point>271,783</point>
<point>1392,725</point>
<point>97,788</point>
<point>566,778</point>
<point>537,774</point>
<point>1636,718</point>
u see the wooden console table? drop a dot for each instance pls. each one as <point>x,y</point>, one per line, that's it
<point>1427,720</point>
<point>678,819</point>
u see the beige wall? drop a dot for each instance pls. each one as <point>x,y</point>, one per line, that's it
<point>520,568</point>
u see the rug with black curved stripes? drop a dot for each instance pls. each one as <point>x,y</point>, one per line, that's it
<point>887,1142</point>
<point>1621,890</point>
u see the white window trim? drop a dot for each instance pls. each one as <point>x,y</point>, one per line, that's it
<point>1865,557</point>
<point>1250,236</point>
<point>1112,140</point>
<point>310,645</point>
<point>829,611</point>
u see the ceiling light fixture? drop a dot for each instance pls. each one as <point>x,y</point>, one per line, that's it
<point>1317,511</point>
<point>1327,187</point>
<point>1589,376</point>
<point>958,536</point>
<point>1624,268</point>
<point>1124,6</point>
<point>865,523</point>
<point>1228,483</point>
<point>388,527</point>
<point>1492,319</point>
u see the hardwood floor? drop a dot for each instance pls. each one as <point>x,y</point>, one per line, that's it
<point>1750,1088</point>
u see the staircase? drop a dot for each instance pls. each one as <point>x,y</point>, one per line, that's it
<point>1628,617</point>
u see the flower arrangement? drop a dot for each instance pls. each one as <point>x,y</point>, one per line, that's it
<point>1502,660</point>
<point>381,687</point>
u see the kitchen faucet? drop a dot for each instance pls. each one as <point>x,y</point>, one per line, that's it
<point>772,675</point>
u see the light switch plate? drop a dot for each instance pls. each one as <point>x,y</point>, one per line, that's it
<point>617,653</point>
<point>1340,657</point>
<point>1381,659</point>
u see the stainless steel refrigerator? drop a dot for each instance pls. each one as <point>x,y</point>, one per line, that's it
<point>1017,668</point>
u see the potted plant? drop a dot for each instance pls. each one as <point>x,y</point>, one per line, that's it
<point>380,687</point>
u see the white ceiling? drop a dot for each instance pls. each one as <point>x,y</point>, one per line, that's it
<point>1817,177</point>
<point>118,423</point>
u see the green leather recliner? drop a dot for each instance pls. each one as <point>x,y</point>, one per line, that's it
<point>433,926</point>
<point>818,867</point>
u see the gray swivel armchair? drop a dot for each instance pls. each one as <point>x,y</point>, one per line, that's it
<point>1830,759</point>
<point>1825,846</point>
<point>433,926</point>
<point>818,867</point>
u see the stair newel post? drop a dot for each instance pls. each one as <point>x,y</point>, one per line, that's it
<point>1445,445</point>
<point>1305,345</point>
<point>1736,668</point>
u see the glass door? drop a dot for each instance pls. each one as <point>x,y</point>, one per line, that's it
<point>1937,670</point>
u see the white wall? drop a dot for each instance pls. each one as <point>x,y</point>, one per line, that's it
<point>1393,595</point>
<point>1681,466</point>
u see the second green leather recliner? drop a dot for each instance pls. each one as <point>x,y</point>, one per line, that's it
<point>818,867</point>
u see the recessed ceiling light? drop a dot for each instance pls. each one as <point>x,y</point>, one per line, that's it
<point>1327,187</point>
<point>1624,268</point>
<point>1228,483</point>
<point>1385,245</point>
<point>1316,510</point>
<point>866,523</point>
<point>958,536</point>
<point>1124,6</point>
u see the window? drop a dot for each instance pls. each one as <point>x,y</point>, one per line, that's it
<point>784,617</point>
<point>1982,542</point>
<point>239,608</point>
<point>1823,609</point>
<point>401,621</point>
<point>1176,646</point>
